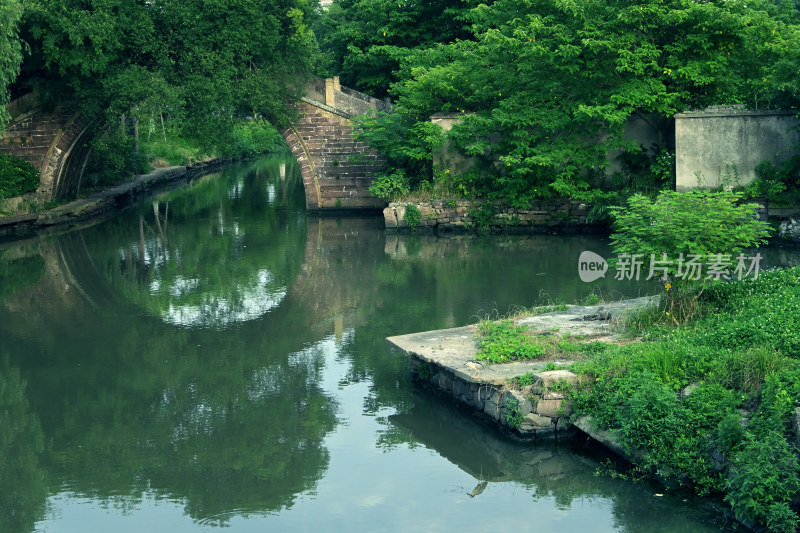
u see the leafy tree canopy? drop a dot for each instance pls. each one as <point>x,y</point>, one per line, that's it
<point>367,40</point>
<point>546,86</point>
<point>199,62</point>
<point>10,52</point>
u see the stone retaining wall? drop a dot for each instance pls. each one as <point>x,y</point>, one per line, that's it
<point>459,215</point>
<point>533,412</point>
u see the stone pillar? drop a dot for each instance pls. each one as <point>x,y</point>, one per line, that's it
<point>329,88</point>
<point>336,85</point>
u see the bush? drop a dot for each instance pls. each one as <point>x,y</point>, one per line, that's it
<point>17,176</point>
<point>113,159</point>
<point>701,225</point>
<point>251,138</point>
<point>762,482</point>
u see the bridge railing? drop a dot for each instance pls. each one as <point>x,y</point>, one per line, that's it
<point>349,101</point>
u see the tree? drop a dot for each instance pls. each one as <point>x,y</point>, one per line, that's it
<point>200,63</point>
<point>547,86</point>
<point>10,52</point>
<point>678,234</point>
<point>368,40</point>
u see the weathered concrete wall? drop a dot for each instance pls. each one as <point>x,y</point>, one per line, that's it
<point>458,215</point>
<point>55,142</point>
<point>723,141</point>
<point>336,168</point>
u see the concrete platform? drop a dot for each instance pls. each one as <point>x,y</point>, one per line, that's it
<point>455,348</point>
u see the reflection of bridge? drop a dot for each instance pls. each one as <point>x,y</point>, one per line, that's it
<point>336,168</point>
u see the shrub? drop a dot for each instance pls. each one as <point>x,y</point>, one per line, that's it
<point>762,482</point>
<point>412,216</point>
<point>700,225</point>
<point>17,176</point>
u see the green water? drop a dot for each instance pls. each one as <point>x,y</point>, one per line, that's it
<point>213,358</point>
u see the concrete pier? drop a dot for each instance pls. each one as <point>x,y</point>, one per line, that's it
<point>446,360</point>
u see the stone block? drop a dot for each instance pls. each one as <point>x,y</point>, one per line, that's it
<point>550,377</point>
<point>554,408</point>
<point>445,382</point>
<point>552,395</point>
<point>538,421</point>
<point>491,408</point>
<point>524,405</point>
<point>563,424</point>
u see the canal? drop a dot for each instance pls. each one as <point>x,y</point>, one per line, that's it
<point>212,357</point>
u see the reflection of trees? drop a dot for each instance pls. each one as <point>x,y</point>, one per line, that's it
<point>226,422</point>
<point>218,253</point>
<point>23,488</point>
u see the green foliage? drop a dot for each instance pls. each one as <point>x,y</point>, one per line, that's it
<point>698,224</point>
<point>763,480</point>
<point>17,176</point>
<point>251,138</point>
<point>113,159</point>
<point>483,216</point>
<point>412,216</point>
<point>526,379</point>
<point>512,415</point>
<point>504,341</point>
<point>367,40</point>
<point>406,145</point>
<point>646,172</point>
<point>196,64</point>
<point>10,52</point>
<point>736,371</point>
<point>776,184</point>
<point>546,87</point>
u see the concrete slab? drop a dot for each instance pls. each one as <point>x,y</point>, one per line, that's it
<point>455,349</point>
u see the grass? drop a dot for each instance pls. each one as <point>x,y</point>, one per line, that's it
<point>741,354</point>
<point>725,384</point>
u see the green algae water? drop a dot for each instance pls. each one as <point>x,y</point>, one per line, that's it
<point>212,358</point>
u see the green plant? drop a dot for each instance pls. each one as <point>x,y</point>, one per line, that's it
<point>483,215</point>
<point>17,176</point>
<point>591,299</point>
<point>668,240</point>
<point>763,480</point>
<point>526,379</point>
<point>412,216</point>
<point>512,415</point>
<point>500,342</point>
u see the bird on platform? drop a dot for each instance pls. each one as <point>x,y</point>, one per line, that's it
<point>474,366</point>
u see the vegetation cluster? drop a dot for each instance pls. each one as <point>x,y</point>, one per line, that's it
<point>17,176</point>
<point>544,88</point>
<point>710,392</point>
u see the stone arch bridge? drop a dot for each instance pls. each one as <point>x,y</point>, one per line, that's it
<point>336,168</point>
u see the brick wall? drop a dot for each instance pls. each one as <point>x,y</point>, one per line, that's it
<point>336,168</point>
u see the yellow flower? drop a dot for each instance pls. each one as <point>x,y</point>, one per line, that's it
<point>668,286</point>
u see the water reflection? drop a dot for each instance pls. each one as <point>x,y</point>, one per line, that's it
<point>217,349</point>
<point>564,473</point>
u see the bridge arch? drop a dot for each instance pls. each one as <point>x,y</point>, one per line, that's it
<point>336,168</point>
<point>55,141</point>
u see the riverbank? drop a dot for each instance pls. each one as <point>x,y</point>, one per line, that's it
<point>105,201</point>
<point>712,406</point>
